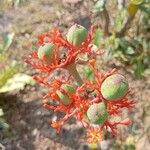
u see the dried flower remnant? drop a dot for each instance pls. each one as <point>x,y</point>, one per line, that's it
<point>93,111</point>
<point>94,135</point>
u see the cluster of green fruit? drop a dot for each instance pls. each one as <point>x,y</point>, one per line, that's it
<point>113,87</point>
<point>76,36</point>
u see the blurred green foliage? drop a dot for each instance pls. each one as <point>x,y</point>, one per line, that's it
<point>11,3</point>
<point>10,76</point>
<point>133,52</point>
<point>129,144</point>
<point>7,69</point>
<point>16,3</point>
<point>3,124</point>
<point>99,6</point>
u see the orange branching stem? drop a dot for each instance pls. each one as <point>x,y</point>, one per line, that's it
<point>81,98</point>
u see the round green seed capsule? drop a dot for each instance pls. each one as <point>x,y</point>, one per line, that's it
<point>46,51</point>
<point>114,87</point>
<point>97,113</point>
<point>64,98</point>
<point>77,35</point>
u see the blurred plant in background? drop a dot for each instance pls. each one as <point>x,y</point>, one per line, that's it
<point>6,70</point>
<point>12,3</point>
<point>3,124</point>
<point>11,77</point>
<point>130,48</point>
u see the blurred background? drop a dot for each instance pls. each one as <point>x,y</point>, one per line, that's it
<point>123,30</point>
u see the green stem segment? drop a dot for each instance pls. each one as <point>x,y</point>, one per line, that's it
<point>73,71</point>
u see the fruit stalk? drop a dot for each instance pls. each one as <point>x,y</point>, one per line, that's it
<point>73,71</point>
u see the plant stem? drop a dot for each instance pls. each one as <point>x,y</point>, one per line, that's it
<point>126,26</point>
<point>73,71</point>
<point>105,21</point>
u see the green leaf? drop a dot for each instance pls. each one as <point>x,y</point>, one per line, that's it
<point>99,6</point>
<point>17,2</point>
<point>145,8</point>
<point>116,43</point>
<point>1,47</point>
<point>1,112</point>
<point>88,73</point>
<point>127,47</point>
<point>137,2</point>
<point>98,36</point>
<point>123,43</point>
<point>2,57</point>
<point>139,69</point>
<point>18,81</point>
<point>132,9</point>
<point>93,146</point>
<point>3,124</point>
<point>8,73</point>
<point>7,41</point>
<point>130,51</point>
<point>119,20</point>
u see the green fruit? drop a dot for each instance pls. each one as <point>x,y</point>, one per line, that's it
<point>68,88</point>
<point>114,87</point>
<point>137,2</point>
<point>46,51</point>
<point>64,98</point>
<point>77,35</point>
<point>97,113</point>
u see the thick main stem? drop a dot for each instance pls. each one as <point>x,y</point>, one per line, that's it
<point>106,21</point>
<point>73,71</point>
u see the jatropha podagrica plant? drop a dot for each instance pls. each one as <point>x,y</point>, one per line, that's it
<point>92,102</point>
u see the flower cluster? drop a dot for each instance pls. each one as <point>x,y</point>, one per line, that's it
<point>92,102</point>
